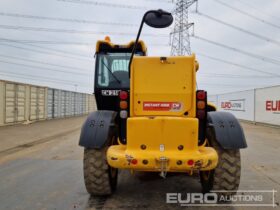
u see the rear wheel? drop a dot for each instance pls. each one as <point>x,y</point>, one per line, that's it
<point>100,178</point>
<point>226,176</point>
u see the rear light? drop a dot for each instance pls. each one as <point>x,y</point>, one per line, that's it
<point>134,161</point>
<point>123,114</point>
<point>123,105</point>
<point>123,95</point>
<point>123,102</point>
<point>201,95</point>
<point>190,162</point>
<point>201,115</point>
<point>201,104</point>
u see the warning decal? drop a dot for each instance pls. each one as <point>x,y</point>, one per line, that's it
<point>162,106</point>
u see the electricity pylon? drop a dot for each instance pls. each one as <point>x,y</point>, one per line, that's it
<point>180,36</point>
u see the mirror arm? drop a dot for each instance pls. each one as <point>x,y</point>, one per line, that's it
<point>159,13</point>
<point>136,42</point>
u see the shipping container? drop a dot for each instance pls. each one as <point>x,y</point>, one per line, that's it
<point>13,102</point>
<point>38,102</point>
<point>78,103</point>
<point>2,102</point>
<point>72,104</point>
<point>22,102</point>
<point>87,103</point>
<point>50,103</point>
<point>268,105</point>
<point>57,103</point>
<point>241,104</point>
<point>84,111</point>
<point>92,103</point>
<point>68,105</point>
<point>62,103</point>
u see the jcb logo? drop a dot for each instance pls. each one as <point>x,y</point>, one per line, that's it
<point>176,106</point>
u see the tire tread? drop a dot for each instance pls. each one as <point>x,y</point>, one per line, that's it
<point>96,175</point>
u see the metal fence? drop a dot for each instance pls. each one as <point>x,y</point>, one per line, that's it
<point>258,105</point>
<point>23,102</point>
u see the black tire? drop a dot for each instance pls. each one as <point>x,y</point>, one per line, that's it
<point>100,178</point>
<point>226,176</point>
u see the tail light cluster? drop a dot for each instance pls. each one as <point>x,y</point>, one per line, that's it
<point>201,104</point>
<point>123,104</point>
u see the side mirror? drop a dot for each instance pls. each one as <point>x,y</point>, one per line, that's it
<point>155,19</point>
<point>158,19</point>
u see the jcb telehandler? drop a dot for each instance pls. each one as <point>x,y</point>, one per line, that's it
<point>151,118</point>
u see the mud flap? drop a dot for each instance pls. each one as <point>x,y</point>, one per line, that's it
<point>97,129</point>
<point>228,131</point>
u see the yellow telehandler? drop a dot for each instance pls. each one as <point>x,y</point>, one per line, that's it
<point>152,118</point>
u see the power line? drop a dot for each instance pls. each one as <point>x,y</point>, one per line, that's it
<point>50,51</point>
<point>61,51</point>
<point>45,63</point>
<point>238,65</point>
<point>104,4</point>
<point>72,31</point>
<point>248,14</point>
<point>226,85</point>
<point>39,68</point>
<point>251,6</point>
<point>234,76</point>
<point>32,77</point>
<point>44,42</point>
<point>42,52</point>
<point>27,43</point>
<point>69,20</point>
<point>234,64</point>
<point>223,61</point>
<point>266,59</point>
<point>239,29</point>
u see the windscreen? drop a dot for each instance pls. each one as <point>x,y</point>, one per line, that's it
<point>112,70</point>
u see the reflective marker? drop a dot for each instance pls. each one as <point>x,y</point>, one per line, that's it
<point>123,114</point>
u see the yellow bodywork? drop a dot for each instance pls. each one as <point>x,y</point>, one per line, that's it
<point>162,130</point>
<point>159,138</point>
<point>170,81</point>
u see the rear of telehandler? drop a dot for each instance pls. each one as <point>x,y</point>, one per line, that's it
<point>151,118</point>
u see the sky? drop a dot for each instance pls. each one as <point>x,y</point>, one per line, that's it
<point>61,54</point>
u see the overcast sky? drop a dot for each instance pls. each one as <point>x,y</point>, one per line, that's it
<point>71,67</point>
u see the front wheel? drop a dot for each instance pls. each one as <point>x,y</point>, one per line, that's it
<point>226,176</point>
